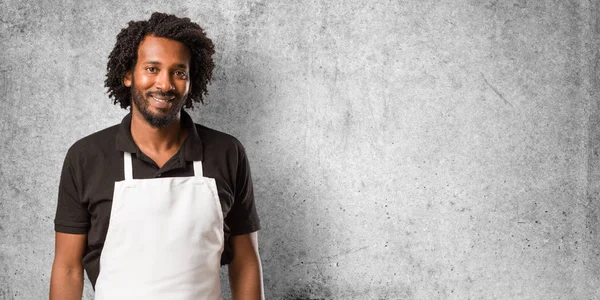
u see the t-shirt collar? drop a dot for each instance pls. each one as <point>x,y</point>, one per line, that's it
<point>191,148</point>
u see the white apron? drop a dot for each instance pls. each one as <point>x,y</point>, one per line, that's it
<point>164,239</point>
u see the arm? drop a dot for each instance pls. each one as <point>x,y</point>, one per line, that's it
<point>66,281</point>
<point>245,271</point>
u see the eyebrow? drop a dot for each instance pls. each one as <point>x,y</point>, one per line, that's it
<point>153,62</point>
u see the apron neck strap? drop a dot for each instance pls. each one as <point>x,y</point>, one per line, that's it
<point>198,169</point>
<point>127,166</point>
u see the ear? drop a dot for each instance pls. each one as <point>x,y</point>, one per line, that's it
<point>127,79</point>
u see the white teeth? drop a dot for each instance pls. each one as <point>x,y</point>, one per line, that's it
<point>162,100</point>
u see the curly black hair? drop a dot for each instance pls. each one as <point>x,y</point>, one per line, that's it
<point>123,57</point>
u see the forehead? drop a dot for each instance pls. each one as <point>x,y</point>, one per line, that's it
<point>163,51</point>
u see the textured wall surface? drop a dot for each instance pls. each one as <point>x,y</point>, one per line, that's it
<point>399,149</point>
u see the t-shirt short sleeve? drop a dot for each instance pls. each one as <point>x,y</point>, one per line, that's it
<point>71,215</point>
<point>243,218</point>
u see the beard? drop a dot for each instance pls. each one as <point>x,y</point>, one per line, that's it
<point>156,121</point>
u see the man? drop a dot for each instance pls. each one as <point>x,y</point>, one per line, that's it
<point>151,208</point>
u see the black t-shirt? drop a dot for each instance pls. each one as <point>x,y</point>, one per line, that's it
<point>94,163</point>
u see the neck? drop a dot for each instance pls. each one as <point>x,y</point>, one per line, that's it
<point>156,140</point>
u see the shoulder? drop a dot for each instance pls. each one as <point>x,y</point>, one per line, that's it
<point>219,141</point>
<point>94,145</point>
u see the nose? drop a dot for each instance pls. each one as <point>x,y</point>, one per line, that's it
<point>164,82</point>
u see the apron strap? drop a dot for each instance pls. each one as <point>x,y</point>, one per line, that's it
<point>198,169</point>
<point>127,166</point>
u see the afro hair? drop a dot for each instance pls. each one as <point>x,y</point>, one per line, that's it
<point>123,57</point>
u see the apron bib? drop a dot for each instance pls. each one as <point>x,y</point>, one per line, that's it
<point>164,239</point>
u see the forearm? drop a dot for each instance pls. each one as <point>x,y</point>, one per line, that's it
<point>66,283</point>
<point>245,279</point>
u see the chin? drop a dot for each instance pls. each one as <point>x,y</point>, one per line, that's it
<point>159,118</point>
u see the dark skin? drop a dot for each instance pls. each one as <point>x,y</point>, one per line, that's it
<point>161,77</point>
<point>66,281</point>
<point>162,81</point>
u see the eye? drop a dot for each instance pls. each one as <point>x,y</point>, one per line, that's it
<point>151,69</point>
<point>180,74</point>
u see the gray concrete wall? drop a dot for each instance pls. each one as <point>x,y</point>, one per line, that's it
<point>400,149</point>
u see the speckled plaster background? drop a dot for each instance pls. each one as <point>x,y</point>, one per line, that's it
<point>399,149</point>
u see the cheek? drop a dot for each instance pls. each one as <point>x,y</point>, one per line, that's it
<point>142,81</point>
<point>184,87</point>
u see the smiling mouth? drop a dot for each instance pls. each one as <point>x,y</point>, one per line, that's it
<point>163,99</point>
